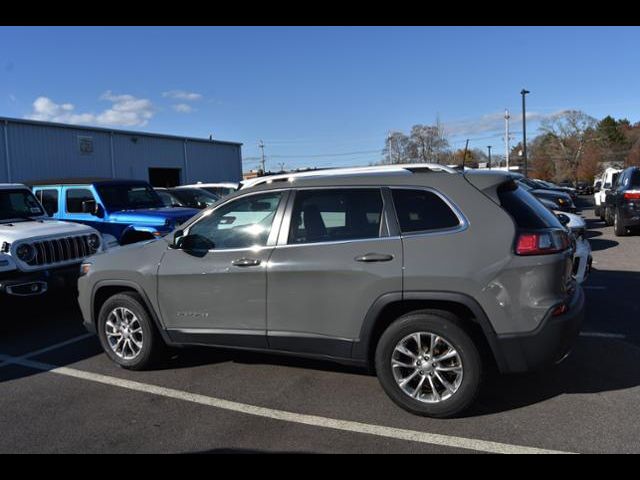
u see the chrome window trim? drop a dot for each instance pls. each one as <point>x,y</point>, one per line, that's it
<point>275,226</point>
<point>383,233</point>
<point>463,222</point>
<point>336,242</point>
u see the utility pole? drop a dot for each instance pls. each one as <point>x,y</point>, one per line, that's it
<point>506,136</point>
<point>281,166</point>
<point>464,155</point>
<point>262,163</point>
<point>489,163</point>
<point>524,92</point>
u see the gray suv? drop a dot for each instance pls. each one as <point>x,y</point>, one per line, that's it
<point>425,274</point>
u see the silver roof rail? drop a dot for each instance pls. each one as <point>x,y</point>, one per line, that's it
<point>335,172</point>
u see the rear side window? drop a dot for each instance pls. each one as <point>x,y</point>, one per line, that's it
<point>422,210</point>
<point>635,179</point>
<point>49,200</point>
<point>526,210</point>
<point>334,215</point>
<point>75,197</point>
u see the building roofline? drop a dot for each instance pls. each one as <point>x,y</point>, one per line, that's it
<point>25,121</point>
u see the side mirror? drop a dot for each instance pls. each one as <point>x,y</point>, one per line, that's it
<point>195,245</point>
<point>93,208</point>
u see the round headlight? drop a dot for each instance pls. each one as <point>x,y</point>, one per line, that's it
<point>94,242</point>
<point>26,252</point>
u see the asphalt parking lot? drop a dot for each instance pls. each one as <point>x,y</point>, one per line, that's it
<point>59,393</point>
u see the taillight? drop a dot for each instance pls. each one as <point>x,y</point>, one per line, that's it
<point>632,195</point>
<point>542,243</point>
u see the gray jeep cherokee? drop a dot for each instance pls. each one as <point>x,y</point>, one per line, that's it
<point>423,273</point>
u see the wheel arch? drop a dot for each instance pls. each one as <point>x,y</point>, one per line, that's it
<point>389,307</point>
<point>104,290</point>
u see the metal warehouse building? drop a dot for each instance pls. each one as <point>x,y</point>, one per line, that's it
<point>32,150</point>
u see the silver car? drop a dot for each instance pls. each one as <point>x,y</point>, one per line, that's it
<point>425,274</point>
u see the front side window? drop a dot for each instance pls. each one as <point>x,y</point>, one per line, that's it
<point>422,210</point>
<point>76,197</point>
<point>336,215</point>
<point>133,196</point>
<point>242,223</point>
<point>18,204</point>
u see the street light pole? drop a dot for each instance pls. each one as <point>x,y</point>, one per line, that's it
<point>489,163</point>
<point>524,92</point>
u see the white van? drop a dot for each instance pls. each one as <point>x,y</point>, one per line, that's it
<point>607,181</point>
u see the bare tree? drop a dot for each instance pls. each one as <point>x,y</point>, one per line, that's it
<point>568,133</point>
<point>427,142</point>
<point>397,148</point>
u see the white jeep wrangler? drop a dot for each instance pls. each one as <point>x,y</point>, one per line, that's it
<point>36,251</point>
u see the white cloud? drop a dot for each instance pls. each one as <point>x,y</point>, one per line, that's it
<point>183,108</point>
<point>125,111</point>
<point>489,123</point>
<point>182,95</point>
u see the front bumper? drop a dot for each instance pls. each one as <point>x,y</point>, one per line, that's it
<point>550,343</point>
<point>23,284</point>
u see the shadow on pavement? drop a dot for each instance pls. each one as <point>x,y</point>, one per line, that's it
<point>602,244</point>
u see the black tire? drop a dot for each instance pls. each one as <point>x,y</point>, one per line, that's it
<point>608,217</point>
<point>618,227</point>
<point>597,212</point>
<point>448,327</point>
<point>152,344</point>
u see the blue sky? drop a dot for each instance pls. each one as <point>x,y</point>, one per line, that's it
<point>312,92</point>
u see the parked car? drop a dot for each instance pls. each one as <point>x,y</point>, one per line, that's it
<point>543,184</point>
<point>36,251</point>
<point>168,199</point>
<point>582,259</point>
<point>378,268</point>
<point>192,197</point>
<point>561,200</point>
<point>219,189</point>
<point>607,180</point>
<point>129,210</point>
<point>584,188</point>
<point>622,202</point>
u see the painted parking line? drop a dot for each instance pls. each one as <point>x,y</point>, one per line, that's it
<point>291,417</point>
<point>70,341</point>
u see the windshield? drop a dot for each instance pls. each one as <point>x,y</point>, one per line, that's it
<point>169,200</point>
<point>195,197</point>
<point>131,196</point>
<point>19,204</point>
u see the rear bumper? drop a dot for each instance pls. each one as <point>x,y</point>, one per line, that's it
<point>630,216</point>
<point>548,344</point>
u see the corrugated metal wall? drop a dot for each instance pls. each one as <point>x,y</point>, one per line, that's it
<point>44,151</point>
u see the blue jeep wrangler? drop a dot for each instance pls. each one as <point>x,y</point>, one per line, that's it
<point>128,210</point>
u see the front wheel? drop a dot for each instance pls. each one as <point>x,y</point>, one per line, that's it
<point>127,333</point>
<point>428,365</point>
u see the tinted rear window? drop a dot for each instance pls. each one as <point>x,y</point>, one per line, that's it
<point>527,212</point>
<point>421,210</point>
<point>635,179</point>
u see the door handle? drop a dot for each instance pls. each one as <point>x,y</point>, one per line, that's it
<point>374,257</point>
<point>246,262</point>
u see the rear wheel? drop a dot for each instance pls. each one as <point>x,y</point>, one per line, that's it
<point>127,333</point>
<point>618,227</point>
<point>429,365</point>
